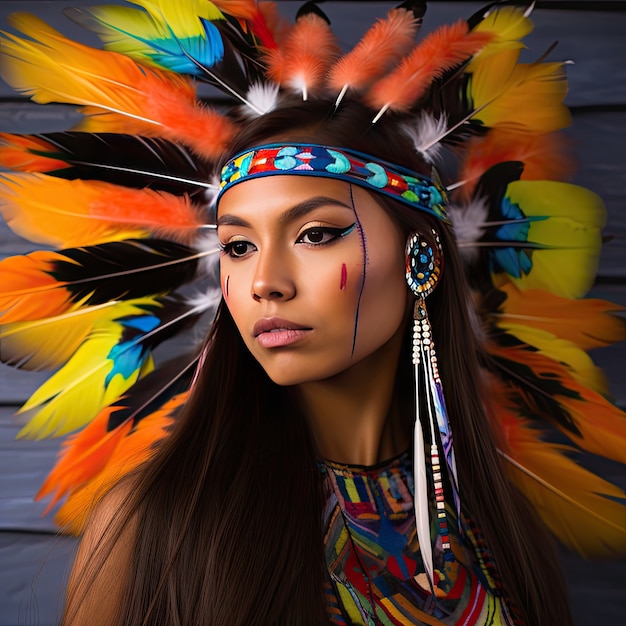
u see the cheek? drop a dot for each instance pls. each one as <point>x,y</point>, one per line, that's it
<point>383,305</point>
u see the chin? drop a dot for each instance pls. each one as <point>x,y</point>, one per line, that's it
<point>290,375</point>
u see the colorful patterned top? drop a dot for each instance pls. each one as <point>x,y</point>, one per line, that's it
<point>375,571</point>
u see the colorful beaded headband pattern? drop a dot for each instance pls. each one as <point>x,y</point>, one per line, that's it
<point>414,190</point>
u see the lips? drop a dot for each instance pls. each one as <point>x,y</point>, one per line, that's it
<point>275,332</point>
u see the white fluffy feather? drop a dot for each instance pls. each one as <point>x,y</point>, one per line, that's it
<point>210,194</point>
<point>469,224</point>
<point>261,99</point>
<point>425,133</point>
<point>207,245</point>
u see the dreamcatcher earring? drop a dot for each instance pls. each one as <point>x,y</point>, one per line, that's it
<point>424,265</point>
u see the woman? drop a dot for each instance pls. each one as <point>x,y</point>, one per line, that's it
<point>312,339</point>
<point>292,489</point>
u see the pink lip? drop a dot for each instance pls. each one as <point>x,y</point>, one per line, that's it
<point>275,332</point>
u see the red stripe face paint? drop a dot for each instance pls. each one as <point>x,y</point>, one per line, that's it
<point>344,276</point>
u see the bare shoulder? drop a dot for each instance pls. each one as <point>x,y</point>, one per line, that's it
<point>100,572</point>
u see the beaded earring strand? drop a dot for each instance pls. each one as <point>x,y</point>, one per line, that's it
<point>424,265</point>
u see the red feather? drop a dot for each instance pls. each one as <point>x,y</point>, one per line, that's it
<point>278,25</point>
<point>440,51</point>
<point>255,16</point>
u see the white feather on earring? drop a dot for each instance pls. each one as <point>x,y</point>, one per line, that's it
<point>422,517</point>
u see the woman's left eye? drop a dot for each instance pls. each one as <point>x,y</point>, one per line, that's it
<point>318,236</point>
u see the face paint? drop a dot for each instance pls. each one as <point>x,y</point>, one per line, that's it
<point>363,273</point>
<point>226,286</point>
<point>283,240</point>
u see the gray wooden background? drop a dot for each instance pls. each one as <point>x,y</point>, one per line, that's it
<point>34,561</point>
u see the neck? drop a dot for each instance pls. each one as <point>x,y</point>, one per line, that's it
<point>354,416</point>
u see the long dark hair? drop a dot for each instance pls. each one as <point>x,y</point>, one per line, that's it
<point>228,513</point>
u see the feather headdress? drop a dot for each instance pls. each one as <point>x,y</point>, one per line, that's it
<point>121,204</point>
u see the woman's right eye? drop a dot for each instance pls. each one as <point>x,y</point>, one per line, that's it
<point>237,249</point>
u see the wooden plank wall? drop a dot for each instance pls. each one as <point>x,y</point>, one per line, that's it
<point>33,561</point>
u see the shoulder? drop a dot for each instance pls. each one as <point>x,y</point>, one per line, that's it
<point>100,573</point>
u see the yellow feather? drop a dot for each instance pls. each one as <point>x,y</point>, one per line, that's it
<point>508,25</point>
<point>48,343</point>
<point>526,97</point>
<point>161,20</point>
<point>576,217</point>
<point>181,18</point>
<point>588,322</point>
<point>52,68</point>
<point>117,93</point>
<point>578,361</point>
<point>77,392</point>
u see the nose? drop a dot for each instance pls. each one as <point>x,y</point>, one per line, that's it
<point>272,278</point>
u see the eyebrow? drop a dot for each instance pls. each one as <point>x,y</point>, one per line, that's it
<point>299,210</point>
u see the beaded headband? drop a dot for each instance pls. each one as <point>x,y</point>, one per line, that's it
<point>414,190</point>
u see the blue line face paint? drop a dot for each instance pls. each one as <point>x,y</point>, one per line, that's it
<point>364,249</point>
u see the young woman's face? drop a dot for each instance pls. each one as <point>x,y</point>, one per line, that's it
<point>312,271</point>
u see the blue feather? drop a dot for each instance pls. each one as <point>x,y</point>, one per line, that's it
<point>129,354</point>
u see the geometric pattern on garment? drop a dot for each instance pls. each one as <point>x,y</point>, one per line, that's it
<point>375,573</point>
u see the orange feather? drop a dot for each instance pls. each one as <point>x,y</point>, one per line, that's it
<point>244,9</point>
<point>130,452</point>
<point>440,51</point>
<point>588,323</point>
<point>381,46</point>
<point>17,152</point>
<point>69,213</point>
<point>576,505</point>
<point>602,425</point>
<point>545,156</point>
<point>302,63</point>
<point>83,456</point>
<point>27,289</point>
<point>118,94</point>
